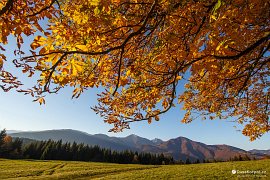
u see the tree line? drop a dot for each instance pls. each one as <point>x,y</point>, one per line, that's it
<point>234,158</point>
<point>58,150</point>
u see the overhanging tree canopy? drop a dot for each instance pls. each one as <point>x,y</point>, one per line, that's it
<point>140,51</point>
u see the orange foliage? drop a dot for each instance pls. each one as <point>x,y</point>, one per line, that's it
<point>140,51</point>
<point>7,139</point>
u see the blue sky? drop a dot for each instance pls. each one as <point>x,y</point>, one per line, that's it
<point>18,112</point>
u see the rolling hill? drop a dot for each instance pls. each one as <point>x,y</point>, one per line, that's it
<point>69,135</point>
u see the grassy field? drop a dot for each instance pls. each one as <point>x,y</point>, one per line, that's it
<point>34,169</point>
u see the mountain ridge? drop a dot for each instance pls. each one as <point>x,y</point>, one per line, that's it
<point>181,148</point>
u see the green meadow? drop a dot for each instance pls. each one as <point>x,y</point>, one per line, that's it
<point>36,169</point>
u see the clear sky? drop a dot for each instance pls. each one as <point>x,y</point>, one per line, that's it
<point>18,112</point>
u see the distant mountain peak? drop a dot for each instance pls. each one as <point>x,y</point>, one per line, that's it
<point>134,136</point>
<point>157,141</point>
<point>257,151</point>
<point>136,140</point>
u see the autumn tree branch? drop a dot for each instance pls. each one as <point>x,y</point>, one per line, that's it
<point>44,8</point>
<point>7,7</point>
<point>247,50</point>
